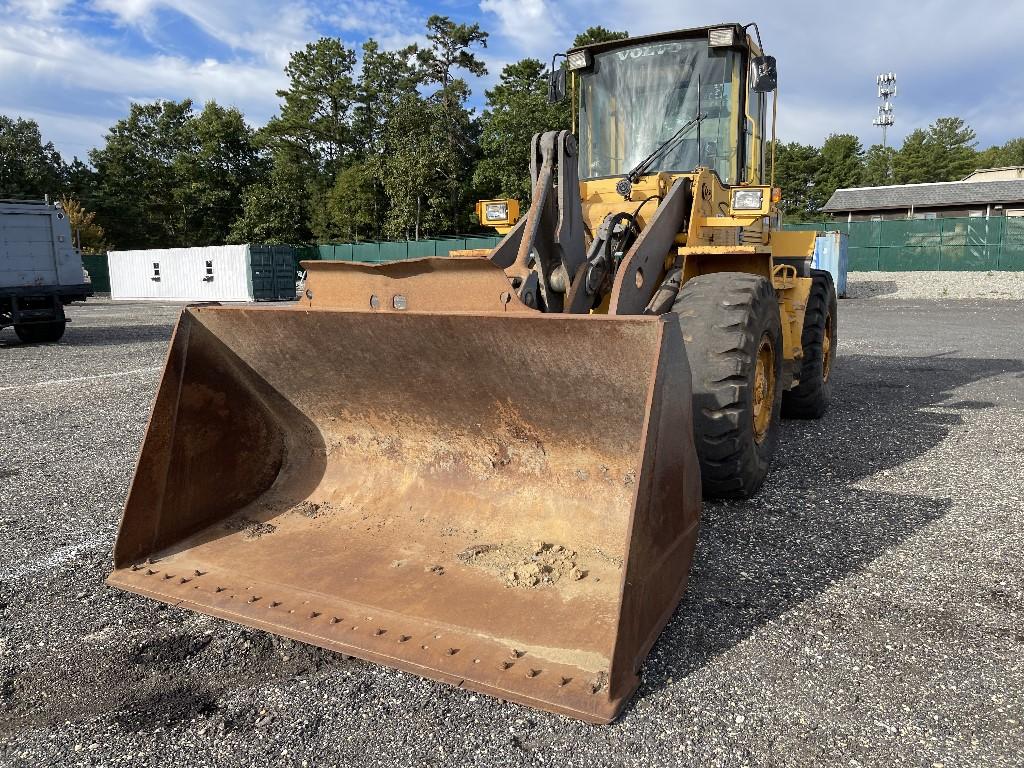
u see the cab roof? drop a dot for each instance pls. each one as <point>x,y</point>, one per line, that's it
<point>691,33</point>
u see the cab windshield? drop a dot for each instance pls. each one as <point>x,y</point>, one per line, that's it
<point>633,99</point>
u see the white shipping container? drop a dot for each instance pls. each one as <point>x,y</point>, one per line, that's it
<point>214,273</point>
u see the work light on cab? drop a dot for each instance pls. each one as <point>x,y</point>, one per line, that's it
<point>747,199</point>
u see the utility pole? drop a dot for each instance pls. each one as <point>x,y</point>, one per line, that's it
<point>886,83</point>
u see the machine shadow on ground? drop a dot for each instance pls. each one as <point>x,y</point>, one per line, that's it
<point>812,524</point>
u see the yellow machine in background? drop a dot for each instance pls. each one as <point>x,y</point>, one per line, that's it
<point>488,470</point>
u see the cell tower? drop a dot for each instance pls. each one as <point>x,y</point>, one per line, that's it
<point>886,90</point>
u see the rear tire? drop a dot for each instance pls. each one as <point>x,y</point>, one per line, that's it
<point>811,398</point>
<point>40,333</point>
<point>733,337</point>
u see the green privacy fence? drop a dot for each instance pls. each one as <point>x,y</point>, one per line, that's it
<point>958,244</point>
<point>376,252</point>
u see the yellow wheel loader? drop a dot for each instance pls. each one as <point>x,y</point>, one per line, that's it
<point>487,470</point>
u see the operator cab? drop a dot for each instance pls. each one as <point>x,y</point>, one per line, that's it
<point>690,98</point>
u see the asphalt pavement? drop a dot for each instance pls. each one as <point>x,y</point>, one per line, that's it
<point>865,608</point>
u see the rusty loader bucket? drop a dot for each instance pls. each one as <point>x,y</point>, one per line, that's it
<point>492,497</point>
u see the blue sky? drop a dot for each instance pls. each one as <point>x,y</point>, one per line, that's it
<point>76,66</point>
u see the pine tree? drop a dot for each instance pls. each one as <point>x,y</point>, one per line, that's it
<point>952,144</point>
<point>914,163</point>
<point>841,166</point>
<point>796,167</point>
<point>878,166</point>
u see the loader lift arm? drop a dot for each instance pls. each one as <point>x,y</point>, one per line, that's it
<point>542,253</point>
<point>545,257</point>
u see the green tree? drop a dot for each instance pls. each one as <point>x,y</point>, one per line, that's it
<point>355,203</point>
<point>275,211</point>
<point>598,35</point>
<point>29,168</point>
<point>1010,153</point>
<point>383,78</point>
<point>430,144</point>
<point>81,181</point>
<point>952,143</point>
<point>168,177</point>
<point>796,168</point>
<point>136,200</point>
<point>913,164</point>
<point>840,166</point>
<point>316,114</point>
<point>450,50</point>
<point>517,108</point>
<point>455,134</point>
<point>409,168</point>
<point>879,166</point>
<point>313,136</point>
<point>219,163</point>
<point>945,152</point>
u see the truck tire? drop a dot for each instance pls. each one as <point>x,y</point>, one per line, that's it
<point>811,398</point>
<point>40,333</point>
<point>733,337</point>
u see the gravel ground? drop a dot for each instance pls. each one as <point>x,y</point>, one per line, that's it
<point>936,285</point>
<point>864,609</point>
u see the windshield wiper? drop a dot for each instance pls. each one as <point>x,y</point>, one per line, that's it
<point>625,185</point>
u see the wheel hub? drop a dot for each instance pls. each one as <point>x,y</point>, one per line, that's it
<point>764,388</point>
<point>826,348</point>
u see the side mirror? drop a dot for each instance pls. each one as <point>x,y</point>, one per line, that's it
<point>766,75</point>
<point>556,85</point>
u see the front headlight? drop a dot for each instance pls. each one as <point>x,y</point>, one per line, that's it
<point>496,211</point>
<point>747,199</point>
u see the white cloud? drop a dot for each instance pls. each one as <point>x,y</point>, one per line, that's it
<point>268,30</point>
<point>66,61</point>
<point>533,26</point>
<point>38,10</point>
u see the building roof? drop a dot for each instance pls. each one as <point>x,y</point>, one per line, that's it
<point>926,195</point>
<point>1006,172</point>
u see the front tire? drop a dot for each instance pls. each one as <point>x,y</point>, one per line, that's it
<point>811,398</point>
<point>733,337</point>
<point>40,333</point>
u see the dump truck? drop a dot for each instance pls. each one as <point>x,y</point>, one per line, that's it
<point>488,470</point>
<point>40,270</point>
